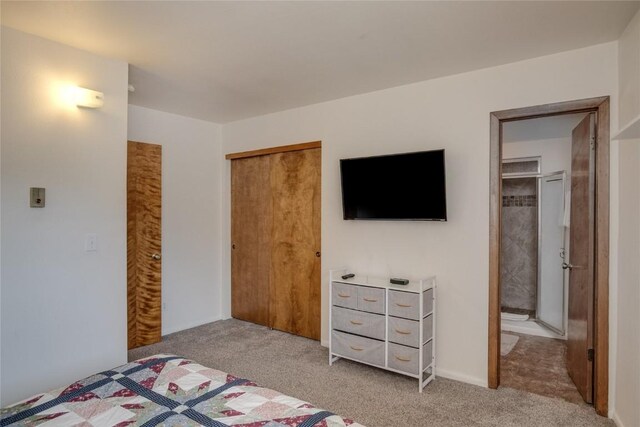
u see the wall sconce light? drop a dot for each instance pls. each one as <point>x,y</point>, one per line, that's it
<point>74,96</point>
<point>88,98</point>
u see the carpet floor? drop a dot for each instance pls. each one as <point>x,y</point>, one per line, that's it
<point>376,398</point>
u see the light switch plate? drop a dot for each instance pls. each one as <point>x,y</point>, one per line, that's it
<point>91,243</point>
<point>37,197</point>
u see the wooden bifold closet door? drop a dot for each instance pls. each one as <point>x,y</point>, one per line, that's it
<point>275,230</point>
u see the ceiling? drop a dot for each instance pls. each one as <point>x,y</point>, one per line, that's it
<point>225,61</point>
<point>551,127</point>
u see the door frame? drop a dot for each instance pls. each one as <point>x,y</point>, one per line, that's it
<point>274,150</point>
<point>599,105</point>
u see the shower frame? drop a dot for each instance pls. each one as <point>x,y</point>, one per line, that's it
<point>538,176</point>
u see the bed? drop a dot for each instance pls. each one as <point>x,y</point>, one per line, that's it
<point>166,390</point>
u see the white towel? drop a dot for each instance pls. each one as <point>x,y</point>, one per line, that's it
<point>507,342</point>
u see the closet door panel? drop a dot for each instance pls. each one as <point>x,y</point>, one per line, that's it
<point>144,243</point>
<point>295,242</point>
<point>251,219</point>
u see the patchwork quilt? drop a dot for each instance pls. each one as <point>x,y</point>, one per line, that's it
<point>166,390</point>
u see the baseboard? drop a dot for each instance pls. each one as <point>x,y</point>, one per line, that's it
<point>460,377</point>
<point>190,325</point>
<point>445,373</point>
<point>616,419</point>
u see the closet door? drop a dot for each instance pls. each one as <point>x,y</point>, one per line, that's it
<point>144,243</point>
<point>251,220</point>
<point>295,242</point>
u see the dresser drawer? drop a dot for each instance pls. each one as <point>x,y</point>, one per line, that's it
<point>403,331</point>
<point>358,322</point>
<point>344,295</point>
<point>407,359</point>
<point>404,304</point>
<point>371,299</point>
<point>407,304</point>
<point>358,348</point>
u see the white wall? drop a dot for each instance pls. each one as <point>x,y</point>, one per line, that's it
<point>627,384</point>
<point>191,214</point>
<point>451,112</point>
<point>555,153</point>
<point>629,71</point>
<point>63,310</point>
<point>626,411</point>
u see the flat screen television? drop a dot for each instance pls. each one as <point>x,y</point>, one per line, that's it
<point>408,186</point>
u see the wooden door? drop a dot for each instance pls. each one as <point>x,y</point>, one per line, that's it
<point>251,220</point>
<point>295,243</point>
<point>581,258</point>
<point>144,265</point>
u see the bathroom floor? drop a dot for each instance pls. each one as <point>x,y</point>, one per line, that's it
<point>538,365</point>
<point>530,313</point>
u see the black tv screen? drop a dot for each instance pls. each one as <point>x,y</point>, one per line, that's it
<point>409,186</point>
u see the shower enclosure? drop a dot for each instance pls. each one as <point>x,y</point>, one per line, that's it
<point>534,226</point>
<point>552,250</point>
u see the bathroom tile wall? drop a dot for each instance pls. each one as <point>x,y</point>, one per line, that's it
<point>519,267</point>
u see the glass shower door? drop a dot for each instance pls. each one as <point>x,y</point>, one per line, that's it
<point>551,284</point>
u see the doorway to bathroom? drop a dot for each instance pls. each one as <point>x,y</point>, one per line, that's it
<point>536,172</point>
<point>548,301</point>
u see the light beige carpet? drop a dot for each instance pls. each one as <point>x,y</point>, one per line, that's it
<point>375,398</point>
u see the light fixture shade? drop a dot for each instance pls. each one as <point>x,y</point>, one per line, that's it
<point>88,98</point>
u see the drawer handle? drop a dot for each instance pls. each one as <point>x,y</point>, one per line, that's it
<point>344,295</point>
<point>403,305</point>
<point>356,348</point>
<point>402,359</point>
<point>403,332</point>
<point>370,300</point>
<point>355,322</point>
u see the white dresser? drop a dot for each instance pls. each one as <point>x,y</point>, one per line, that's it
<point>388,326</point>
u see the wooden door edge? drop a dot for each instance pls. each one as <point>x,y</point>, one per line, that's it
<point>274,150</point>
<point>600,105</point>
<point>601,309</point>
<point>494,252</point>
